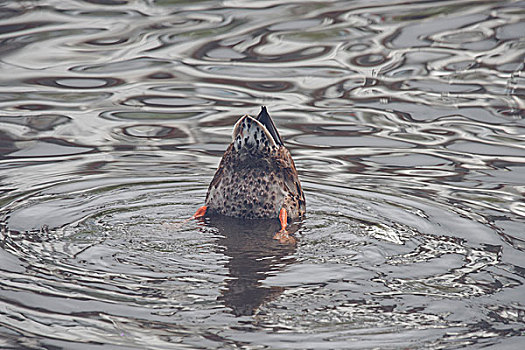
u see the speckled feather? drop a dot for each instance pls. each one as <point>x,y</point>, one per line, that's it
<point>256,176</point>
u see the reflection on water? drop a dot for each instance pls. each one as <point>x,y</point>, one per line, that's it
<point>406,125</point>
<point>252,254</point>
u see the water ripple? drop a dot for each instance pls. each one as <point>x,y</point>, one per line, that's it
<point>76,83</point>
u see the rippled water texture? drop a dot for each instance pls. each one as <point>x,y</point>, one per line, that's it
<point>406,122</point>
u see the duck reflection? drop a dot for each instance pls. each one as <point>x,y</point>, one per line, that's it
<point>253,255</point>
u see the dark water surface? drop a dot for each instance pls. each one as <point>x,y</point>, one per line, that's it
<point>406,122</point>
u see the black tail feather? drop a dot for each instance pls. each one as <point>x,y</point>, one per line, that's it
<point>265,119</point>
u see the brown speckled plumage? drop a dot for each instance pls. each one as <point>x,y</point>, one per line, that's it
<point>256,177</point>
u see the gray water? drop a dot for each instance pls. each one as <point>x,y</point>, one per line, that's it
<point>406,123</point>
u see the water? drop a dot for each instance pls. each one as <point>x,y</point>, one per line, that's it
<point>406,124</point>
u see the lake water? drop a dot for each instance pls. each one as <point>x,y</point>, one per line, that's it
<point>406,123</point>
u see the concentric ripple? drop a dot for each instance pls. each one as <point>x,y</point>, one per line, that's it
<point>365,264</point>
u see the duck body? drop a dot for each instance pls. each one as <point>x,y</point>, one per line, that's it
<point>256,177</point>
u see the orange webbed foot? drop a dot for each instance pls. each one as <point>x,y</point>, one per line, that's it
<point>282,236</point>
<point>200,212</point>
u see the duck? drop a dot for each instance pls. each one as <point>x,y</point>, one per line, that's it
<point>256,177</point>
